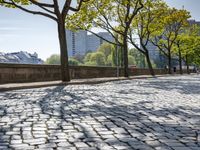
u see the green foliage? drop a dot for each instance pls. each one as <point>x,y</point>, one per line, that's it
<point>188,43</point>
<point>95,59</point>
<point>89,63</point>
<point>73,62</point>
<point>109,61</point>
<point>131,60</point>
<point>87,57</point>
<point>108,54</point>
<point>18,2</point>
<point>138,56</point>
<point>79,58</point>
<point>98,57</point>
<point>148,21</point>
<point>153,64</point>
<point>117,56</point>
<point>171,24</point>
<point>106,49</point>
<point>53,59</point>
<point>113,16</point>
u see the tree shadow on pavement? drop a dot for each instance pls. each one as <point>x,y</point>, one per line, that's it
<point>96,117</point>
<point>183,85</point>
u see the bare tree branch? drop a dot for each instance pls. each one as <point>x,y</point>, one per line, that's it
<point>43,6</point>
<point>79,6</point>
<point>118,44</point>
<point>12,3</point>
<point>67,6</point>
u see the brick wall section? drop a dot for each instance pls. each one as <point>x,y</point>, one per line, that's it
<point>16,73</point>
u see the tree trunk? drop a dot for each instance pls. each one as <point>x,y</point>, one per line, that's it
<point>146,53</point>
<point>63,51</point>
<point>125,48</point>
<point>169,63</point>
<point>151,70</point>
<point>187,63</point>
<point>180,61</point>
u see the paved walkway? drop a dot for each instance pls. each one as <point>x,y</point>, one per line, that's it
<point>158,113</point>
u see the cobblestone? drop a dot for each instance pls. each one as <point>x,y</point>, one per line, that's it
<point>158,113</point>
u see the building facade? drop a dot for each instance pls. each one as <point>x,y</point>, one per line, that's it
<point>80,42</point>
<point>76,42</point>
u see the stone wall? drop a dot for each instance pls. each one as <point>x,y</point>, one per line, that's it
<point>15,73</point>
<point>10,73</point>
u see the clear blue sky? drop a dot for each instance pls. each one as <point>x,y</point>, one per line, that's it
<point>20,31</point>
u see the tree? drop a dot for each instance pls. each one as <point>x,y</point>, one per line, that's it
<point>109,61</point>
<point>145,25</point>
<point>138,56</point>
<point>196,52</point>
<point>53,59</point>
<point>50,10</point>
<point>106,49</point>
<point>87,57</point>
<point>131,60</point>
<point>73,62</point>
<point>117,56</point>
<point>187,46</point>
<point>114,16</point>
<point>170,26</point>
<point>95,59</point>
<point>79,57</point>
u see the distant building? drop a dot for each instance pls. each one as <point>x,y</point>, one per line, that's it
<point>20,58</point>
<point>80,42</point>
<point>192,21</point>
<point>76,42</point>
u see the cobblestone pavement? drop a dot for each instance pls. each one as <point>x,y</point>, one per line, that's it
<point>145,114</point>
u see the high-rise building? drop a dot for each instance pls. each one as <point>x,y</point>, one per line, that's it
<point>76,42</point>
<point>80,42</point>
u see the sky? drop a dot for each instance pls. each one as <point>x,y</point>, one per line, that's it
<point>20,31</point>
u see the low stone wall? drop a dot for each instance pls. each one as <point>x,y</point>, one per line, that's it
<point>84,72</point>
<point>16,73</point>
<point>10,73</point>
